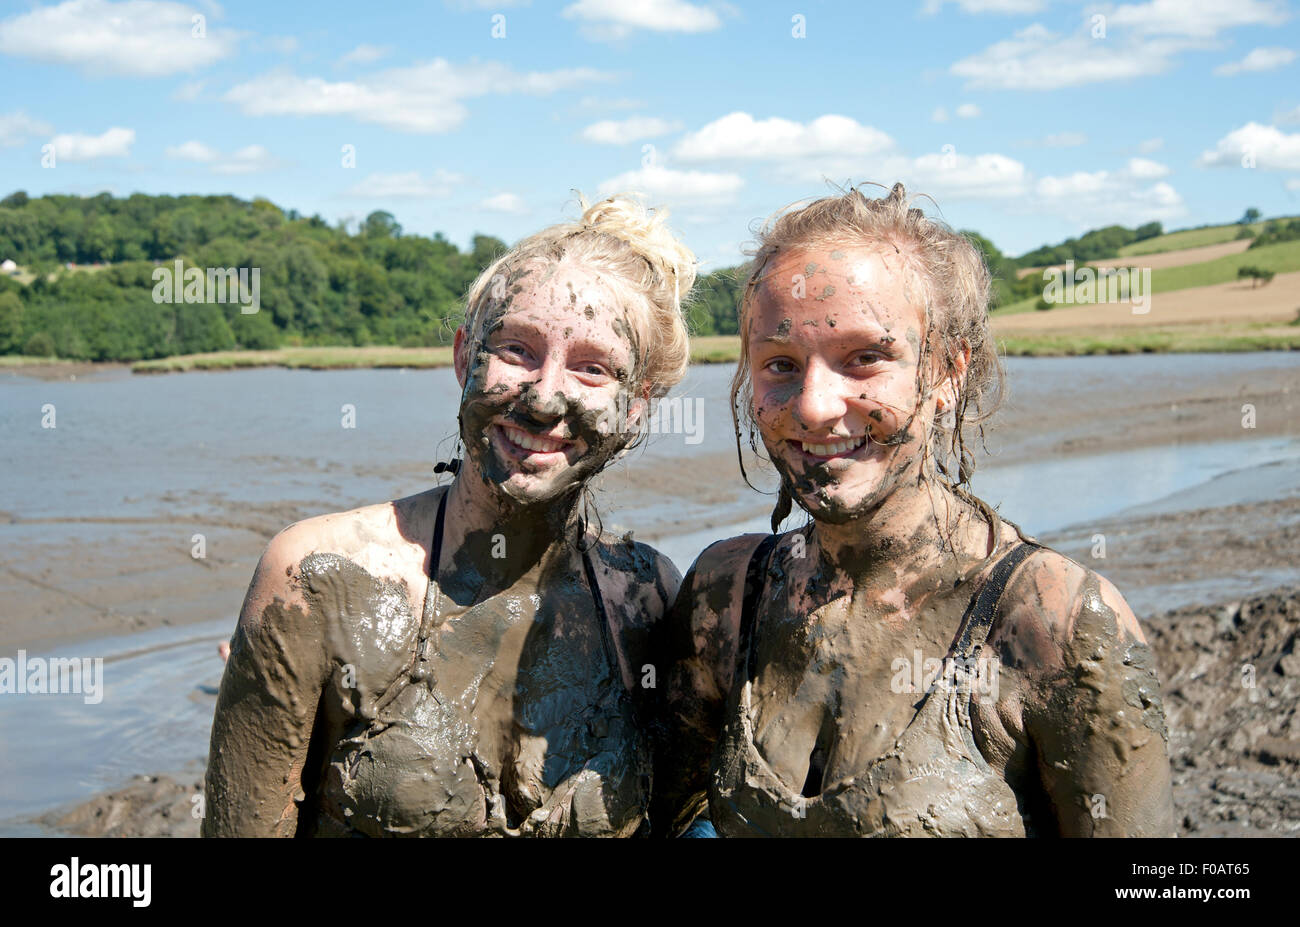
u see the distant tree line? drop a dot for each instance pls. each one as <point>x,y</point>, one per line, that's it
<point>319,284</point>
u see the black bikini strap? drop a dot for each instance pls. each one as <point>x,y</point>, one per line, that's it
<point>435,556</point>
<point>979,614</point>
<point>590,569</point>
<point>755,582</point>
<point>438,524</point>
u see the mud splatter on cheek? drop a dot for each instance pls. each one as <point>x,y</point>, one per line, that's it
<point>914,339</point>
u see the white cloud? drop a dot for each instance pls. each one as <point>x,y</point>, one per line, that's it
<point>602,103</point>
<point>1146,146</point>
<point>612,132</point>
<point>1037,59</point>
<point>617,19</point>
<point>407,184</point>
<point>507,203</point>
<point>675,186</point>
<point>959,176</point>
<point>193,151</point>
<point>1293,185</point>
<point>115,143</point>
<point>142,38</point>
<point>1195,18</point>
<point>1290,117</point>
<point>17,127</point>
<point>939,115</point>
<point>986,6</point>
<point>251,159</point>
<point>1271,148</point>
<point>1143,169</point>
<point>424,98</point>
<point>1107,197</point>
<point>485,4</point>
<point>841,148</point>
<point>188,92</point>
<point>1259,59</point>
<point>366,54</point>
<point>968,111</point>
<point>282,44</point>
<point>1065,140</point>
<point>740,136</point>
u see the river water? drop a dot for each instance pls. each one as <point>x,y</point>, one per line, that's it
<point>128,449</point>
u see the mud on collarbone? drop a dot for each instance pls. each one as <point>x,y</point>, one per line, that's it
<point>839,675</point>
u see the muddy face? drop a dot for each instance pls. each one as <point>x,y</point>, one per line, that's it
<point>549,384</point>
<point>834,363</point>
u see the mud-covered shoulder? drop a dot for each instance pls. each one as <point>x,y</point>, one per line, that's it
<point>333,586</point>
<point>637,575</point>
<point>1092,704</point>
<point>705,619</point>
<point>1054,607</point>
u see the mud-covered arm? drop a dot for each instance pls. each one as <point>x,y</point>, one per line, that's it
<point>1098,723</point>
<point>266,707</point>
<point>698,654</point>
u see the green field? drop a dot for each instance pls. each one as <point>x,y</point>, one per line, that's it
<point>1190,238</point>
<point>1282,258</point>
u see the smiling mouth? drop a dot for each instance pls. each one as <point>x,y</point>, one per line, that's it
<point>530,443</point>
<point>832,450</point>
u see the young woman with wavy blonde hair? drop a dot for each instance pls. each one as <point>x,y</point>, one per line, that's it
<point>466,661</point>
<point>907,663</point>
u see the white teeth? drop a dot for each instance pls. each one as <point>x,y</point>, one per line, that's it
<point>830,450</point>
<point>532,442</point>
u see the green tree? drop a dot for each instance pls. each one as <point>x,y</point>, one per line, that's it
<point>380,224</point>
<point>39,345</point>
<point>11,323</point>
<point>1258,275</point>
<point>1251,216</point>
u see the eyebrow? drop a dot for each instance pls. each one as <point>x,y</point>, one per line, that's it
<point>875,337</point>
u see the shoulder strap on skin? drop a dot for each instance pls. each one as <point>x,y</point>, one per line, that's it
<point>979,614</point>
<point>755,582</point>
<point>590,569</point>
<point>434,558</point>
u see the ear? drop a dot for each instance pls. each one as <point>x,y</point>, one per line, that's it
<point>951,386</point>
<point>638,408</point>
<point>461,355</point>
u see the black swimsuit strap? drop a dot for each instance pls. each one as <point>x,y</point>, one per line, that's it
<point>975,622</point>
<point>755,582</point>
<point>590,569</point>
<point>984,605</point>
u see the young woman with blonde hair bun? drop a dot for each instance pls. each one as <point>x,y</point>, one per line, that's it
<point>467,661</point>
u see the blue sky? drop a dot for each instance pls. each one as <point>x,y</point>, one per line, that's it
<point>1027,120</point>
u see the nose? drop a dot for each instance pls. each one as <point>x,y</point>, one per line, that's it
<point>820,405</point>
<point>544,397</point>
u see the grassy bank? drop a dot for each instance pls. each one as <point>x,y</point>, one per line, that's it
<point>1183,340</point>
<point>712,349</point>
<point>725,349</point>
